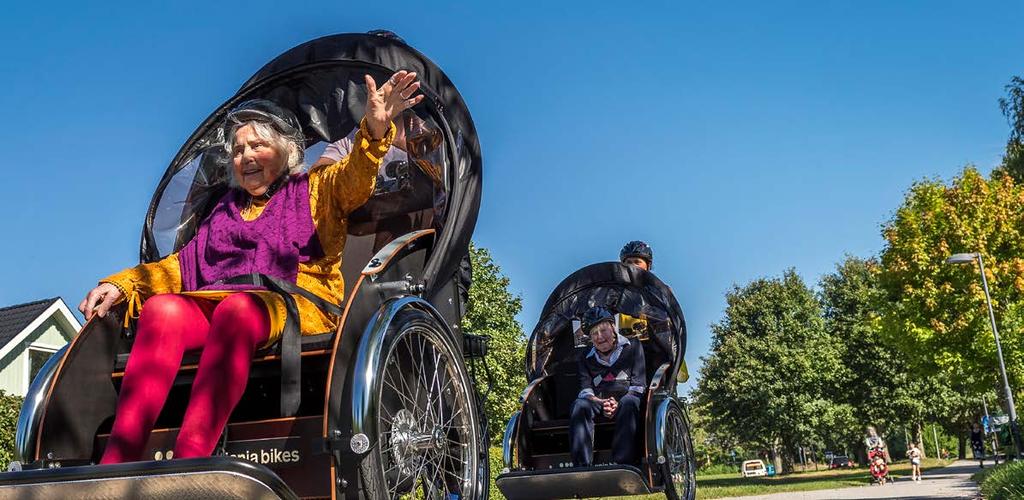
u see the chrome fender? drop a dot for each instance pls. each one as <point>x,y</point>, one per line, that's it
<point>657,428</point>
<point>508,441</point>
<point>32,408</point>
<point>368,356</point>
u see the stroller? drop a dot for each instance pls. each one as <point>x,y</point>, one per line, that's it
<point>877,465</point>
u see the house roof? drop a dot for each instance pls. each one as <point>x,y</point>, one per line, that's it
<point>14,319</point>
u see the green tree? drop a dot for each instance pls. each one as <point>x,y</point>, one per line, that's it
<point>492,311</point>
<point>1013,108</point>
<point>709,447</point>
<point>878,383</point>
<point>771,368</point>
<point>934,312</point>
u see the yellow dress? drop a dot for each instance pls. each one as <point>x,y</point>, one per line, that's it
<point>334,192</point>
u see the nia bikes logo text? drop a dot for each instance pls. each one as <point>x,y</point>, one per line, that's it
<point>265,451</point>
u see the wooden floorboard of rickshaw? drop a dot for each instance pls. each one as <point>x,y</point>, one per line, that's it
<point>262,359</point>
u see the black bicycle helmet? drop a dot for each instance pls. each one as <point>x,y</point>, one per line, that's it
<point>262,110</point>
<point>594,316</point>
<point>637,248</point>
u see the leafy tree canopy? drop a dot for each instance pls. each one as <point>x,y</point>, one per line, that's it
<point>1013,108</point>
<point>492,311</point>
<point>934,312</point>
<point>772,367</point>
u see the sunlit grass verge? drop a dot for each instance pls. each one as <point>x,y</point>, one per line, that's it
<point>1002,482</point>
<point>732,485</point>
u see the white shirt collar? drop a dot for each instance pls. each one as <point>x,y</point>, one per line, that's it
<point>620,343</point>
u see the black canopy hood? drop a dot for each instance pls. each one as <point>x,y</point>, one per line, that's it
<point>319,81</point>
<point>619,288</point>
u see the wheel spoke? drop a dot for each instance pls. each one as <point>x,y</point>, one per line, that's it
<point>450,420</point>
<point>415,367</point>
<point>430,393</point>
<point>422,376</point>
<point>437,477</point>
<point>401,391</point>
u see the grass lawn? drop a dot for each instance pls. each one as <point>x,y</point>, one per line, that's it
<point>731,485</point>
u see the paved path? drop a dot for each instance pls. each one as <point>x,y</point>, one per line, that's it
<point>953,481</point>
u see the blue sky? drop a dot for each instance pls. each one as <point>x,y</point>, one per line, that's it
<point>738,138</point>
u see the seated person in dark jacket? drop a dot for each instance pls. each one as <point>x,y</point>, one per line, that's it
<point>612,377</point>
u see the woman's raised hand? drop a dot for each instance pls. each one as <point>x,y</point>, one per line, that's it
<point>385,103</point>
<point>100,300</point>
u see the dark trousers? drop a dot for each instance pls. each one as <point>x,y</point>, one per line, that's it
<point>581,430</point>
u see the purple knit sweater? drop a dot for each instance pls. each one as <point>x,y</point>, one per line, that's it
<point>273,244</point>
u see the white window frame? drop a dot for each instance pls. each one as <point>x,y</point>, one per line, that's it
<point>28,361</point>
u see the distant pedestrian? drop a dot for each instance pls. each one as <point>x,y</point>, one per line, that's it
<point>914,454</point>
<point>978,444</point>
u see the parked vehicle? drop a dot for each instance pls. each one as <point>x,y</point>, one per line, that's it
<point>840,462</point>
<point>354,434</point>
<point>753,468</point>
<point>537,462</point>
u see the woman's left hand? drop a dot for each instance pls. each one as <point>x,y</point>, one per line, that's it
<point>385,103</point>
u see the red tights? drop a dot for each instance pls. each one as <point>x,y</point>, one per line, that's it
<point>227,332</point>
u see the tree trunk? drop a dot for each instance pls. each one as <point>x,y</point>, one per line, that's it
<point>961,451</point>
<point>778,458</point>
<point>919,439</point>
<point>861,454</point>
<point>787,459</point>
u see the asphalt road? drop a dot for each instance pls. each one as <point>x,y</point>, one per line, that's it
<point>953,481</point>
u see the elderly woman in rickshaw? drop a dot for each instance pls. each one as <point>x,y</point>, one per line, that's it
<point>276,220</point>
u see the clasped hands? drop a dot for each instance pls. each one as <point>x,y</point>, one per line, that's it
<point>608,406</point>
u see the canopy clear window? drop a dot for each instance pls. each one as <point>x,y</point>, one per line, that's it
<point>413,184</point>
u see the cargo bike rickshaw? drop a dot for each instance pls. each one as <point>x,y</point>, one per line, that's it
<point>383,407</point>
<point>536,452</point>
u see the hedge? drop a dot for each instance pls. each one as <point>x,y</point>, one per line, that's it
<point>10,405</point>
<point>1003,482</point>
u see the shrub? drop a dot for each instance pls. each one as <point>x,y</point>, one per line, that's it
<point>707,470</point>
<point>10,406</point>
<point>1005,482</point>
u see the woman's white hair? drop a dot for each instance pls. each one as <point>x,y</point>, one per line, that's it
<point>290,148</point>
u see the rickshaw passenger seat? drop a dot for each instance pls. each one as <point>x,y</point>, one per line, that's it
<point>309,343</point>
<point>566,383</point>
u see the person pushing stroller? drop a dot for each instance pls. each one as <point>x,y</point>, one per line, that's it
<point>877,456</point>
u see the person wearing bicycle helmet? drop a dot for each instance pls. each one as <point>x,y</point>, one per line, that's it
<point>612,378</point>
<point>637,253</point>
<point>275,221</point>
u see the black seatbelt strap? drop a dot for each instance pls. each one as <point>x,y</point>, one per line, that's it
<point>291,336</point>
<point>281,286</point>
